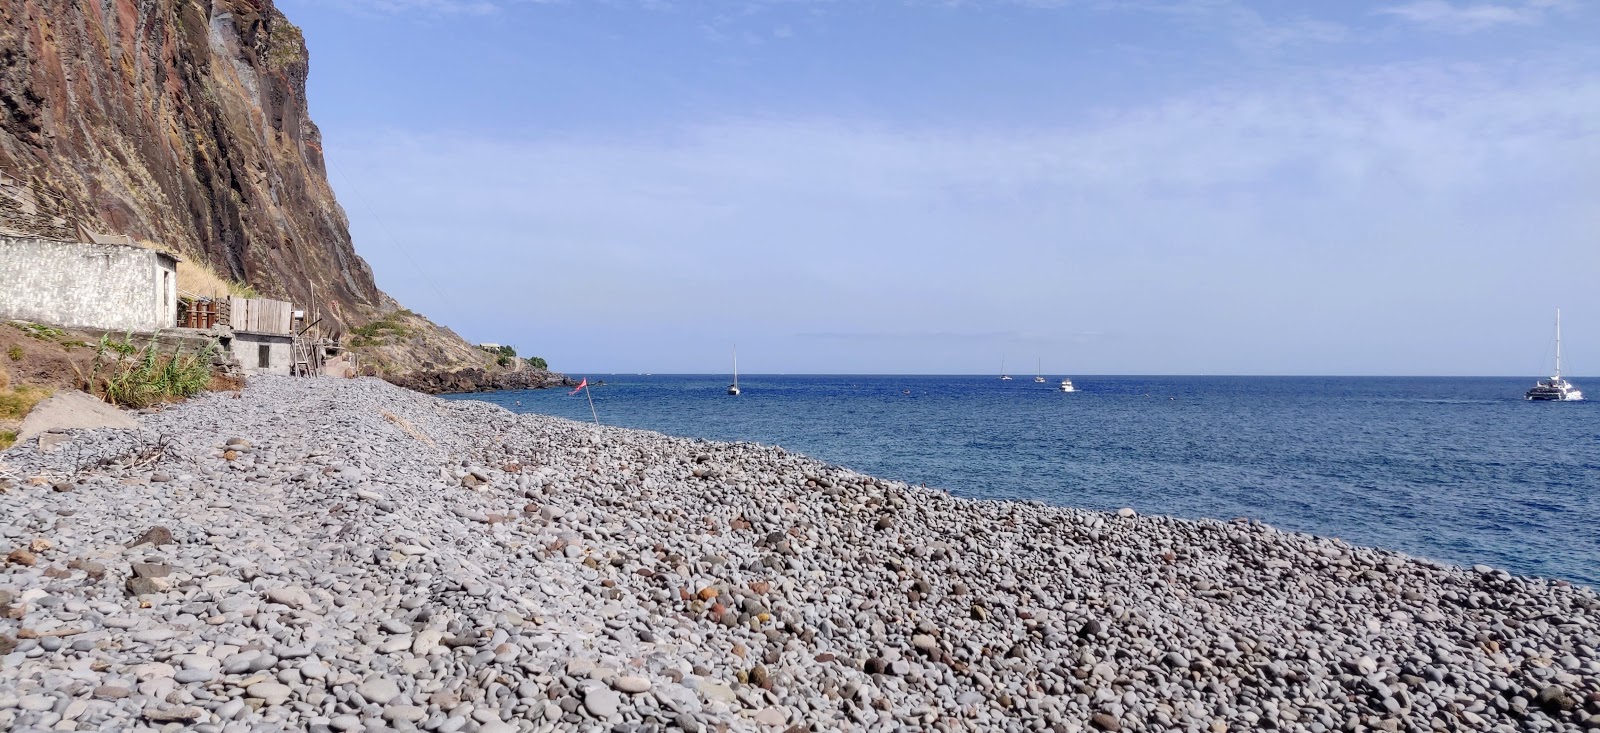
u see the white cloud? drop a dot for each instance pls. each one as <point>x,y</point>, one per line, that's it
<point>434,7</point>
<point>1248,27</point>
<point>1197,223</point>
<point>1471,17</point>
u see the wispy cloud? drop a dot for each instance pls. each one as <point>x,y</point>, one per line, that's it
<point>431,7</point>
<point>1248,27</point>
<point>1452,17</point>
<point>1181,229</point>
<point>1020,338</point>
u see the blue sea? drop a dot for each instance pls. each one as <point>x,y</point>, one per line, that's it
<point>1456,469</point>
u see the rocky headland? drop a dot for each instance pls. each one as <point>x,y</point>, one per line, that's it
<point>186,125</point>
<point>347,555</point>
<point>479,380</point>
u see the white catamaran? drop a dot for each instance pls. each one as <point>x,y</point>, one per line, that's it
<point>733,389</point>
<point>1555,389</point>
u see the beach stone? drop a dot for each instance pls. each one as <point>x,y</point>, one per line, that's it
<point>630,684</point>
<point>408,713</point>
<point>187,714</point>
<point>36,703</point>
<point>112,692</point>
<point>151,570</point>
<point>427,641</point>
<point>601,703</point>
<point>379,690</point>
<point>335,576</point>
<point>156,536</point>
<point>191,676</point>
<point>291,597</point>
<point>272,693</point>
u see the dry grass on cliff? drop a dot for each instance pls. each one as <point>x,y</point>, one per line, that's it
<point>15,403</point>
<point>197,277</point>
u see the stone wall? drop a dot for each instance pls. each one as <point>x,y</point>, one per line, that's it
<point>248,348</point>
<point>103,286</point>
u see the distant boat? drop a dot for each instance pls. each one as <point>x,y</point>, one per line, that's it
<point>1038,372</point>
<point>733,389</point>
<point>1555,389</point>
<point>1066,386</point>
<point>1003,376</point>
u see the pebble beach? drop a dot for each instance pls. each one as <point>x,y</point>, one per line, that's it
<point>347,555</point>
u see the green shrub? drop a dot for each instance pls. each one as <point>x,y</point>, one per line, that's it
<point>381,331</point>
<point>41,332</point>
<point>538,363</point>
<point>8,438</point>
<point>127,375</point>
<point>241,290</point>
<point>15,352</point>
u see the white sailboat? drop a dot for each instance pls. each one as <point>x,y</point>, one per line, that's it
<point>1003,376</point>
<point>1555,389</point>
<point>1038,372</point>
<point>733,389</point>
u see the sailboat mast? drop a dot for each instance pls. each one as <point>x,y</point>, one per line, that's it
<point>1558,343</point>
<point>735,366</point>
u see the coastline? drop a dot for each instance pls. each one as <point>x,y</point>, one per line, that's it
<point>471,380</point>
<point>372,554</point>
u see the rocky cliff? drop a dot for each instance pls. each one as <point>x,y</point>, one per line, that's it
<point>185,122</point>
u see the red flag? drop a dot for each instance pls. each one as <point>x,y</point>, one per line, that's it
<point>580,387</point>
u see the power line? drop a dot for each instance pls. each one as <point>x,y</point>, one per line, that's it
<point>390,233</point>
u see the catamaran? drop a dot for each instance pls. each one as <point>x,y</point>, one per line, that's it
<point>733,389</point>
<point>1555,389</point>
<point>1003,376</point>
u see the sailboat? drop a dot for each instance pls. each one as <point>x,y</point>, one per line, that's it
<point>1555,389</point>
<point>733,389</point>
<point>1038,372</point>
<point>1003,376</point>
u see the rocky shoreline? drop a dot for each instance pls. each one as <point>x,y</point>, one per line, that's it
<point>474,379</point>
<point>347,555</point>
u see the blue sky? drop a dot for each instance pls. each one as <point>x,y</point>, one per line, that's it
<point>1112,186</point>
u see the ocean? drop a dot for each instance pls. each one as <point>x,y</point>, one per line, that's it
<point>1456,469</point>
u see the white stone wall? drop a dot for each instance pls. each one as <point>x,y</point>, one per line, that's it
<point>105,286</point>
<point>246,349</point>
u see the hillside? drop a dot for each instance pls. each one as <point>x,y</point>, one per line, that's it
<point>186,122</point>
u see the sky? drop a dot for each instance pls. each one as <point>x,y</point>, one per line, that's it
<point>1395,187</point>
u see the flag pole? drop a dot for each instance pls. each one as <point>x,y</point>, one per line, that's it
<point>594,414</point>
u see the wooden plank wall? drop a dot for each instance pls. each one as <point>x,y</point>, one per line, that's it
<point>260,315</point>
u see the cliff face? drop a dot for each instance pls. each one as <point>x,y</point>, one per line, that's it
<point>181,121</point>
<point>185,122</point>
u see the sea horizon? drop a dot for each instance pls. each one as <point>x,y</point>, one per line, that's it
<point>1444,467</point>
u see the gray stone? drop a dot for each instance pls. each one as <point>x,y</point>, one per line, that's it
<point>601,703</point>
<point>380,690</point>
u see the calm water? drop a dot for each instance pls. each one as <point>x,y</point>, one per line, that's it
<point>1455,469</point>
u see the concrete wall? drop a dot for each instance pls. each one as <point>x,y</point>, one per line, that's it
<point>105,286</point>
<point>247,349</point>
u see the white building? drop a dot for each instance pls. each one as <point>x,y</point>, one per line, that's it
<point>105,286</point>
